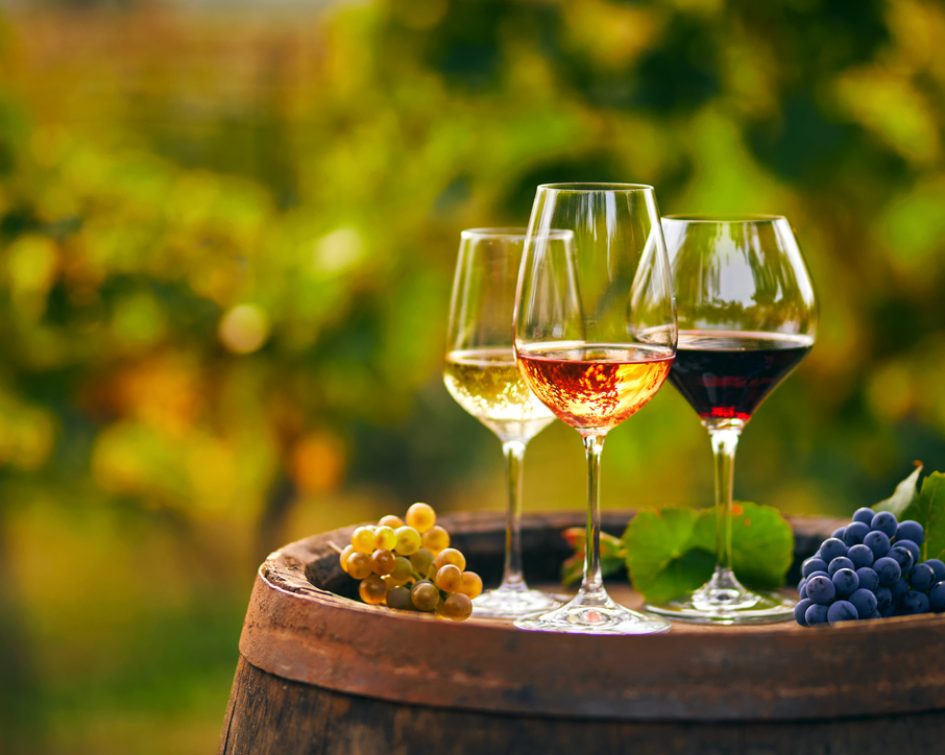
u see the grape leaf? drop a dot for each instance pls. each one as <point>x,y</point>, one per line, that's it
<point>762,545</point>
<point>667,552</point>
<point>928,509</point>
<point>672,552</point>
<point>611,555</point>
<point>903,496</point>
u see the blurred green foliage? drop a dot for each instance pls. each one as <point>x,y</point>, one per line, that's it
<point>226,245</point>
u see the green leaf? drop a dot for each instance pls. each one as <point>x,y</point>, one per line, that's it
<point>572,569</point>
<point>928,509</point>
<point>672,552</point>
<point>762,545</point>
<point>903,496</point>
<point>611,555</point>
<point>667,555</point>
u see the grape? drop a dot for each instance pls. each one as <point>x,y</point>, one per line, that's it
<point>864,601</point>
<point>471,584</point>
<point>436,539</point>
<point>885,522</point>
<point>910,530</point>
<point>841,562</point>
<point>382,561</point>
<point>839,532</point>
<point>938,567</point>
<point>385,538</point>
<point>364,540</point>
<point>408,541</point>
<point>372,590</point>
<point>821,590</point>
<point>888,570</point>
<point>389,520</point>
<point>915,602</point>
<point>449,577</point>
<point>845,582</point>
<point>421,517</point>
<point>832,548</point>
<point>402,571</point>
<point>422,561</point>
<point>903,557</point>
<point>860,555</point>
<point>343,557</point>
<point>869,579</point>
<point>922,577</point>
<point>800,609</point>
<point>802,588</point>
<point>937,597</point>
<point>359,565</point>
<point>884,600</point>
<point>842,610</point>
<point>815,614</point>
<point>899,591</point>
<point>456,607</point>
<point>864,514</point>
<point>399,597</point>
<point>811,565</point>
<point>819,574</point>
<point>424,596</point>
<point>911,547</point>
<point>855,533</point>
<point>450,556</point>
<point>878,542</point>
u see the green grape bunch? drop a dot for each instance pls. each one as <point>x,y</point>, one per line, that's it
<point>408,564</point>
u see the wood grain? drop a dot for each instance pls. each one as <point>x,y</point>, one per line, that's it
<point>272,715</point>
<point>302,626</point>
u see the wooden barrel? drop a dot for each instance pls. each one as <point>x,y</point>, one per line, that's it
<point>321,672</point>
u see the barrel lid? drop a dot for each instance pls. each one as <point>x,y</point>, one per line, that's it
<point>300,628</point>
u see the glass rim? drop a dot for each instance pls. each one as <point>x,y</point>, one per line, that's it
<point>725,219</point>
<point>497,232</point>
<point>512,233</point>
<point>590,187</point>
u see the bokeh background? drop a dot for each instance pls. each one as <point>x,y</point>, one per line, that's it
<point>227,232</point>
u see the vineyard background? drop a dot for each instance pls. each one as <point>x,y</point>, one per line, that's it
<point>227,233</point>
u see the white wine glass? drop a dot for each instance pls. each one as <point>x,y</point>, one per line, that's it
<point>595,336</point>
<point>482,376</point>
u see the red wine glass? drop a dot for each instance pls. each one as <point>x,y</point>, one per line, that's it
<point>595,334</point>
<point>747,317</point>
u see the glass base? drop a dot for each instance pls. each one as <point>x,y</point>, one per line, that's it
<point>507,603</point>
<point>594,614</point>
<point>729,603</point>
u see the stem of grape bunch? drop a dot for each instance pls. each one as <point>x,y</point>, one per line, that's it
<point>512,577</point>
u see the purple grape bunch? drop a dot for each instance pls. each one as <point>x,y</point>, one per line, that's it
<point>868,570</point>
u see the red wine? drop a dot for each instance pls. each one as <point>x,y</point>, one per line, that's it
<point>727,374</point>
<point>594,385</point>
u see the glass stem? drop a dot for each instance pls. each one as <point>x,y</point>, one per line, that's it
<point>512,576</point>
<point>593,584</point>
<point>724,437</point>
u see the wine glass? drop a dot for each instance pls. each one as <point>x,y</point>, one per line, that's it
<point>482,376</point>
<point>747,317</point>
<point>595,335</point>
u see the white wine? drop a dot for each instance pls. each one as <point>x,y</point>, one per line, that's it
<point>488,385</point>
